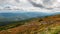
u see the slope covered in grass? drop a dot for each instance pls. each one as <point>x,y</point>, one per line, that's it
<point>45,25</point>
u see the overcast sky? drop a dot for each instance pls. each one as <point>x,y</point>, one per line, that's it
<point>29,5</point>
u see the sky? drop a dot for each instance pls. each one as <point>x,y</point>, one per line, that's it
<point>46,6</point>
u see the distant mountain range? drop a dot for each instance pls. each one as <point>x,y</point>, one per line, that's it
<point>20,16</point>
<point>8,18</point>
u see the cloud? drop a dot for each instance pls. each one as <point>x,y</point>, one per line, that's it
<point>27,5</point>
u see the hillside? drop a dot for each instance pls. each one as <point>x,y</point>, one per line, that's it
<point>20,16</point>
<point>46,25</point>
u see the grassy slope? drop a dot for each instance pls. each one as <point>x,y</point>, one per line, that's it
<point>46,25</point>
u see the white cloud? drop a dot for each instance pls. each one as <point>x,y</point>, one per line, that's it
<point>23,5</point>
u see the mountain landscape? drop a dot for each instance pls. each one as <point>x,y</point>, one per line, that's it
<point>29,16</point>
<point>6,18</point>
<point>21,16</point>
<point>45,25</point>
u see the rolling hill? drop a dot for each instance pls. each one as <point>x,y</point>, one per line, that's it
<point>45,25</point>
<point>20,16</point>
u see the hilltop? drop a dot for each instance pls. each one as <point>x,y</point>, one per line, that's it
<point>45,25</point>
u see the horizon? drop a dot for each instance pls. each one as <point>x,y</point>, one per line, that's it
<point>22,11</point>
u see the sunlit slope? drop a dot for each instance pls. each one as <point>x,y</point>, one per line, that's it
<point>46,25</point>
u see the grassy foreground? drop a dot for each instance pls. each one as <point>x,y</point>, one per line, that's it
<point>46,25</point>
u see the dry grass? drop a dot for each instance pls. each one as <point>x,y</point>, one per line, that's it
<point>47,25</point>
